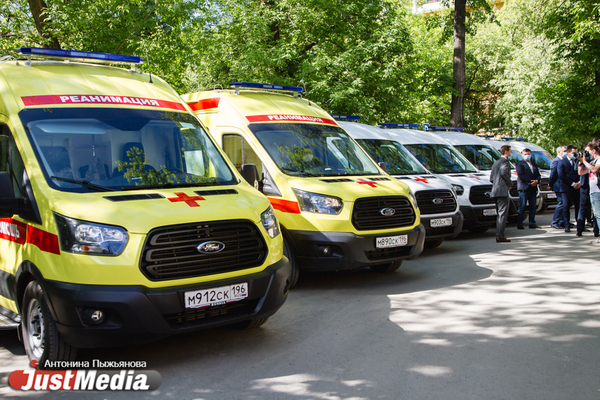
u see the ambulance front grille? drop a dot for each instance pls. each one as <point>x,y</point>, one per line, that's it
<point>436,201</point>
<point>367,213</point>
<point>171,252</point>
<point>481,195</point>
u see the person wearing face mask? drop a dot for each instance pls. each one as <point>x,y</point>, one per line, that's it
<point>591,169</point>
<point>568,183</point>
<point>558,219</point>
<point>500,178</point>
<point>528,178</point>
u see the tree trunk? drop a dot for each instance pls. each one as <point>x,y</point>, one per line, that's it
<point>41,22</point>
<point>456,109</point>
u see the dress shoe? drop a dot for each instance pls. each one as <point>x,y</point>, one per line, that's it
<point>571,225</point>
<point>585,230</point>
<point>567,229</point>
<point>534,226</point>
<point>502,240</point>
<point>579,234</point>
<point>555,226</point>
<point>520,227</point>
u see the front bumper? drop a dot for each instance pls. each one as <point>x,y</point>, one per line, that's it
<point>474,215</point>
<point>137,314</point>
<point>548,199</point>
<point>351,251</point>
<point>446,231</point>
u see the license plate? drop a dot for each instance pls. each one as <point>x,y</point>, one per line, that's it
<point>551,196</point>
<point>391,241</point>
<point>436,223</point>
<point>489,212</point>
<point>216,296</point>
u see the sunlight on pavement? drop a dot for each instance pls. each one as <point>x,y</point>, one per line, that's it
<point>300,385</point>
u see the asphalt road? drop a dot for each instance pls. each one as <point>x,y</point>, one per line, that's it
<point>472,319</point>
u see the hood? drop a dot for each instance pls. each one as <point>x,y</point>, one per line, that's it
<point>350,188</point>
<point>423,182</point>
<point>467,179</point>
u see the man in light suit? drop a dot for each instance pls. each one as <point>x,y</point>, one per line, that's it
<point>568,183</point>
<point>500,177</point>
<point>557,220</point>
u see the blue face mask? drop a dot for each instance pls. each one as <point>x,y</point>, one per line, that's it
<point>527,157</point>
<point>572,157</point>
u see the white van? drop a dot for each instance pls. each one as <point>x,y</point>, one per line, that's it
<point>440,213</point>
<point>472,187</point>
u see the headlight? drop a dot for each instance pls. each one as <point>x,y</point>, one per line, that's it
<point>90,238</point>
<point>318,203</point>
<point>412,197</point>
<point>458,189</point>
<point>269,222</point>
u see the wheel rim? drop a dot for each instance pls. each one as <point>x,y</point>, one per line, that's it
<point>35,328</point>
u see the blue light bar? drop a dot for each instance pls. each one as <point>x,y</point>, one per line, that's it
<point>445,128</point>
<point>386,125</point>
<point>486,136</point>
<point>512,139</point>
<point>266,86</point>
<point>346,117</point>
<point>88,55</point>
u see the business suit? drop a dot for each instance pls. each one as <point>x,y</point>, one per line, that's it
<point>527,172</point>
<point>585,206</point>
<point>567,177</point>
<point>558,219</point>
<point>500,177</point>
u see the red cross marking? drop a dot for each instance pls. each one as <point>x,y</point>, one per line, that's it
<point>416,178</point>
<point>190,201</point>
<point>364,182</point>
<point>474,177</point>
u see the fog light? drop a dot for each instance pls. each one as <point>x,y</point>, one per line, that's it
<point>97,317</point>
<point>324,250</point>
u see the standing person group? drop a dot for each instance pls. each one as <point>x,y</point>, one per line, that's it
<point>589,167</point>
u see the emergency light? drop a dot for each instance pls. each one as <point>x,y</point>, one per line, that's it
<point>512,139</point>
<point>266,86</point>
<point>445,128</point>
<point>346,117</point>
<point>85,55</point>
<point>386,125</point>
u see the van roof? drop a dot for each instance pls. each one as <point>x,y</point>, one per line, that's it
<point>63,83</point>
<point>412,136</point>
<point>458,138</point>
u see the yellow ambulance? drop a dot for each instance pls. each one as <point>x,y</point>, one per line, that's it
<point>121,221</point>
<point>338,210</point>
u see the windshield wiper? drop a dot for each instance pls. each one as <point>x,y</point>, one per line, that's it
<point>168,185</point>
<point>298,170</point>
<point>85,184</point>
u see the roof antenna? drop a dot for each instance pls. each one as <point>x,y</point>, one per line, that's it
<point>149,65</point>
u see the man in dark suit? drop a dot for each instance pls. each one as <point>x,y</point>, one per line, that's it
<point>568,183</point>
<point>500,177</point>
<point>528,178</point>
<point>557,220</point>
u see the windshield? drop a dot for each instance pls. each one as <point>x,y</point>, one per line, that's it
<point>397,159</point>
<point>313,150</point>
<point>121,149</point>
<point>515,157</point>
<point>481,156</point>
<point>440,158</point>
<point>541,159</point>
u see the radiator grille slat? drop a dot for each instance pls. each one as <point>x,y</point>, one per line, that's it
<point>480,195</point>
<point>171,252</point>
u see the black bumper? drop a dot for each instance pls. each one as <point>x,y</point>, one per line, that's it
<point>548,201</point>
<point>474,215</point>
<point>137,314</point>
<point>350,251</point>
<point>443,232</point>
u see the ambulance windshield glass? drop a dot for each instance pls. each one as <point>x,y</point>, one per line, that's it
<point>313,150</point>
<point>440,158</point>
<point>91,149</point>
<point>482,156</point>
<point>541,159</point>
<point>397,159</point>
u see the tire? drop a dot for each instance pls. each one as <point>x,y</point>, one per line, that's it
<point>41,339</point>
<point>479,229</point>
<point>250,324</point>
<point>295,274</point>
<point>432,244</point>
<point>386,268</point>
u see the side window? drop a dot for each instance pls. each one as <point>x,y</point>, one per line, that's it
<point>11,161</point>
<point>239,152</point>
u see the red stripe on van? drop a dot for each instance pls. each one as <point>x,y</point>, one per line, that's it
<point>45,241</point>
<point>289,118</point>
<point>206,104</point>
<point>286,206</point>
<point>13,230</point>
<point>99,99</point>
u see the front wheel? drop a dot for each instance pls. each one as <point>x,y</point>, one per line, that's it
<point>386,268</point>
<point>295,270</point>
<point>250,324</point>
<point>41,339</point>
<point>479,229</point>
<point>432,244</point>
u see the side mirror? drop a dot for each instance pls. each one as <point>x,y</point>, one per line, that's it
<point>383,166</point>
<point>9,205</point>
<point>250,174</point>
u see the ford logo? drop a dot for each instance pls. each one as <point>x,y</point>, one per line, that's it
<point>437,201</point>
<point>210,247</point>
<point>387,212</point>
<point>488,194</point>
